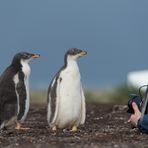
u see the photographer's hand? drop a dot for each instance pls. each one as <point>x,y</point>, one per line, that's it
<point>136,116</point>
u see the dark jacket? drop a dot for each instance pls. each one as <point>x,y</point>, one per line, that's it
<point>143,124</point>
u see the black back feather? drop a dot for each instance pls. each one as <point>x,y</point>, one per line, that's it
<point>8,98</point>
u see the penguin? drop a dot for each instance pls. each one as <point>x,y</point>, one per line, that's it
<point>14,90</point>
<point>66,106</point>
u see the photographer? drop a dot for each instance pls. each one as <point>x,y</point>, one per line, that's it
<point>135,119</point>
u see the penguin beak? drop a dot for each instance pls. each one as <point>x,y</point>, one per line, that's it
<point>35,56</point>
<point>83,53</point>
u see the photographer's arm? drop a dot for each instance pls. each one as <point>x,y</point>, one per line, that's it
<point>135,119</point>
<point>143,125</point>
<point>136,116</point>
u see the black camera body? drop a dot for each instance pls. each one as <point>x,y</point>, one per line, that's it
<point>139,100</point>
<point>134,98</point>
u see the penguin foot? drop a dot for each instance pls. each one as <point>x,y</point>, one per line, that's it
<point>22,128</point>
<point>54,128</point>
<point>74,128</point>
<point>18,127</point>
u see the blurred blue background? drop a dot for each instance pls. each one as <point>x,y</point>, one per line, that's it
<point>114,32</point>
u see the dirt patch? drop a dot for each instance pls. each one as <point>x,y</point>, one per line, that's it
<point>106,126</point>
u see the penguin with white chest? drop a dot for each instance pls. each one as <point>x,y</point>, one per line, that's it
<point>66,100</point>
<point>14,90</point>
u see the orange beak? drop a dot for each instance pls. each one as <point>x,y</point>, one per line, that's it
<point>35,56</point>
<point>83,53</point>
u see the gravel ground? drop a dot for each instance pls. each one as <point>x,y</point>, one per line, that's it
<point>106,127</point>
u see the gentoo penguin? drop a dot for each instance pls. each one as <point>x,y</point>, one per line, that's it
<point>66,100</point>
<point>14,90</point>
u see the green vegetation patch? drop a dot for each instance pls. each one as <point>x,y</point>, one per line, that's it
<point>119,94</point>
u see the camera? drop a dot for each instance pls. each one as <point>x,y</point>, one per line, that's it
<point>139,100</point>
<point>134,98</point>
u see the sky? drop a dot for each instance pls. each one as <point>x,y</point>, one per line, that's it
<point>113,32</point>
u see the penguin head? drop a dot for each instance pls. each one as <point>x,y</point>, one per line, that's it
<point>24,56</point>
<point>74,53</point>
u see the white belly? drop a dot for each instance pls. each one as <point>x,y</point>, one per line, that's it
<point>27,102</point>
<point>26,70</point>
<point>70,100</point>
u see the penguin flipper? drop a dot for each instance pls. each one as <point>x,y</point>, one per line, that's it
<point>83,108</point>
<point>53,101</point>
<point>21,90</point>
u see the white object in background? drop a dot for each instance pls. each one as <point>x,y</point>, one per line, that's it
<point>137,78</point>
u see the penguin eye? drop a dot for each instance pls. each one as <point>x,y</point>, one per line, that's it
<point>74,51</point>
<point>26,56</point>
